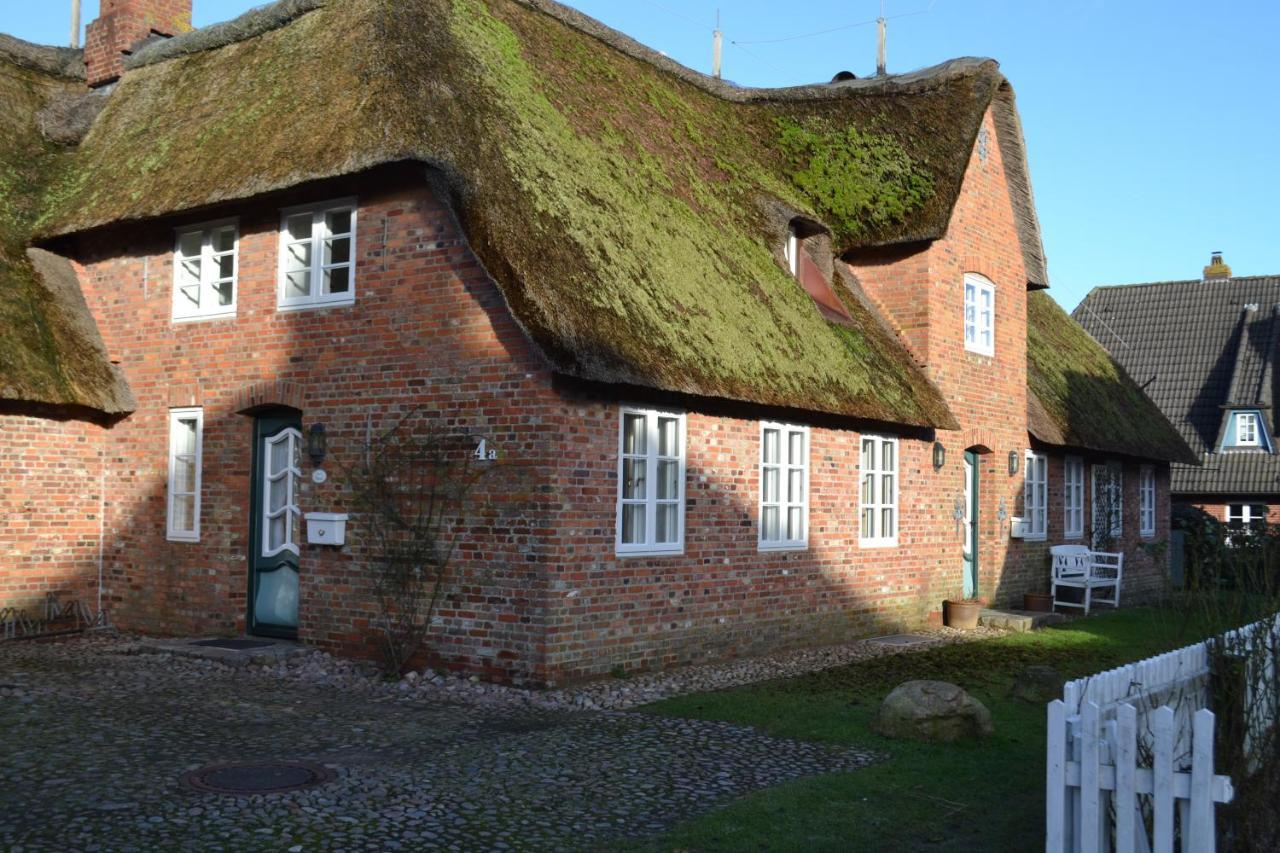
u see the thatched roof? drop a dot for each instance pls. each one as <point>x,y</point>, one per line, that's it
<point>51,355</point>
<point>1080,397</point>
<point>631,210</point>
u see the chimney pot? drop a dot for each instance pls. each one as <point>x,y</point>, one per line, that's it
<point>121,25</point>
<point>1217,269</point>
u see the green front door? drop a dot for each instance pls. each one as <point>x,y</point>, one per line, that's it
<point>274,524</point>
<point>971,469</point>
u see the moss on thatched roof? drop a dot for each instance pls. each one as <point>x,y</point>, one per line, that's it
<point>1079,397</point>
<point>50,352</point>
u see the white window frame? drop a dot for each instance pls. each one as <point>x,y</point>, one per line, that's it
<point>879,501</point>
<point>650,501</point>
<point>208,308</point>
<point>319,233</point>
<point>1147,501</point>
<point>176,416</point>
<point>791,251</point>
<point>1073,498</point>
<point>1246,517</point>
<point>976,285</point>
<point>1247,437</point>
<point>1117,519</point>
<point>784,504</point>
<point>292,476</point>
<point>1035,496</point>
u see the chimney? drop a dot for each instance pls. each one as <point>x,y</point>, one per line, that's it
<point>121,25</point>
<point>1217,270</point>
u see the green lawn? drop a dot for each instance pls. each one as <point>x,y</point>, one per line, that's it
<point>986,795</point>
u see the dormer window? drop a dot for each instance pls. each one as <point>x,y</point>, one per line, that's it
<point>791,251</point>
<point>1247,429</point>
<point>979,315</point>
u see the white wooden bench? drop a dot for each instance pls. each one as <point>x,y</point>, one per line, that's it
<point>1078,567</point>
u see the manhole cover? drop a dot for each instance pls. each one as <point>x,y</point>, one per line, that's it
<point>238,645</point>
<point>257,777</point>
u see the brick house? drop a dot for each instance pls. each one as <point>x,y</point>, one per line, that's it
<point>762,367</point>
<point>1207,351</point>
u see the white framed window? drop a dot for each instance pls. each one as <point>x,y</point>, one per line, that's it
<point>1108,500</point>
<point>791,251</point>
<point>878,501</point>
<point>784,486</point>
<point>1242,518</point>
<point>1247,429</point>
<point>1147,501</point>
<point>205,269</point>
<point>1073,497</point>
<point>317,255</point>
<point>186,440</point>
<point>979,314</point>
<point>651,468</point>
<point>281,470</point>
<point>1035,496</point>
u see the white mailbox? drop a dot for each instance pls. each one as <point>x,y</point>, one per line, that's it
<point>326,528</point>
<point>1019,528</point>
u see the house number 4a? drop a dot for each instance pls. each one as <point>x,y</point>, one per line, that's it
<point>484,452</point>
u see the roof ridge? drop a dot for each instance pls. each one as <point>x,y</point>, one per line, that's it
<point>65,62</point>
<point>1235,279</point>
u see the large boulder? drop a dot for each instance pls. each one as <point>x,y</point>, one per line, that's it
<point>932,711</point>
<point>1038,685</point>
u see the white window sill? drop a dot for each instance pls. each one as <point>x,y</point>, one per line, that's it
<point>783,546</point>
<point>980,353</point>
<point>199,318</point>
<point>878,543</point>
<point>182,537</point>
<point>669,552</point>
<point>1148,534</point>
<point>1079,535</point>
<point>312,306</point>
<point>1035,537</point>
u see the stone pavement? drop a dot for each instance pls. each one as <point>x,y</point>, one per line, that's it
<point>94,739</point>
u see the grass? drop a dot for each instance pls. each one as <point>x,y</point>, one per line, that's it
<point>986,795</point>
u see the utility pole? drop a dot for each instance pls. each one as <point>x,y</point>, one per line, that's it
<point>717,48</point>
<point>75,23</point>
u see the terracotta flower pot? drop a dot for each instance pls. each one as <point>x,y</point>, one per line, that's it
<point>961,614</point>
<point>1039,602</point>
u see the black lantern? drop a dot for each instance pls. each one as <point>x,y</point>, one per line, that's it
<point>939,456</point>
<point>317,443</point>
<point>1013,462</point>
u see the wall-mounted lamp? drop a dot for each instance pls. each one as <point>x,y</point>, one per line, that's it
<point>317,443</point>
<point>1013,462</point>
<point>939,455</point>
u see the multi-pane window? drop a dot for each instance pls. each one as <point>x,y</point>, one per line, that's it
<point>1242,519</point>
<point>204,271</point>
<point>281,470</point>
<point>1108,503</point>
<point>979,314</point>
<point>186,435</point>
<point>1035,496</point>
<point>317,251</point>
<point>651,462</point>
<point>878,500</point>
<point>1073,497</point>
<point>1247,429</point>
<point>784,486</point>
<point>1147,501</point>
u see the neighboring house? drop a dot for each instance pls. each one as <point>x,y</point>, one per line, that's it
<point>1205,352</point>
<point>761,367</point>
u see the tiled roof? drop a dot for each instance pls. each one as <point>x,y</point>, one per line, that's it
<point>1197,348</point>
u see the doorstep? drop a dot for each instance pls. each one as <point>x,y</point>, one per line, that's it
<point>1018,620</point>
<point>243,651</point>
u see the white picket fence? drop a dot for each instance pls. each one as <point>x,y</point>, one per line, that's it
<point>1098,792</point>
<point>1096,787</point>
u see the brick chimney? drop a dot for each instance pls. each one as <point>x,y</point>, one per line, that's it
<point>1217,270</point>
<point>121,25</point>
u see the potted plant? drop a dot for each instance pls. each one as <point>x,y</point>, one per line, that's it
<point>961,613</point>
<point>1037,602</point>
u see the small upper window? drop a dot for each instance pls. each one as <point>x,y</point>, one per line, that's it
<point>317,251</point>
<point>979,314</point>
<point>1247,429</point>
<point>791,251</point>
<point>204,271</point>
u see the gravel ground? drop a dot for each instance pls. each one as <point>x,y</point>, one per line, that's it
<point>99,730</point>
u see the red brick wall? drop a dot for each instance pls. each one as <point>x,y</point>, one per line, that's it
<point>123,23</point>
<point>50,506</point>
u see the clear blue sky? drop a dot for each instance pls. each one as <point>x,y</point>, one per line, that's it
<point>1153,126</point>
